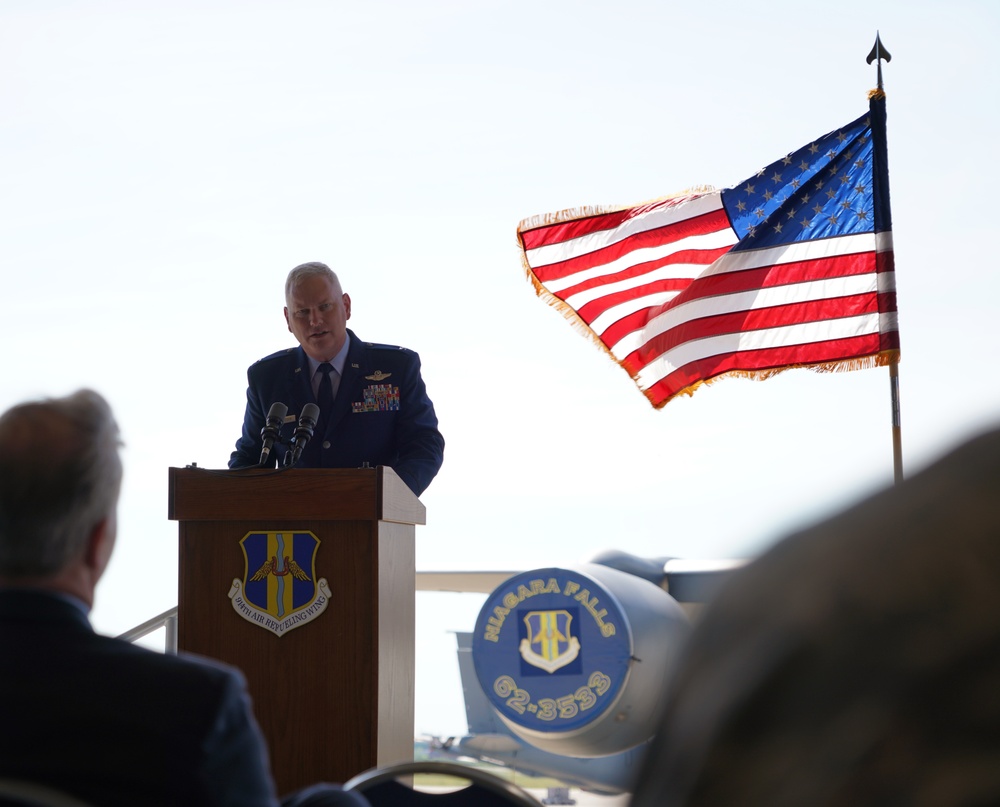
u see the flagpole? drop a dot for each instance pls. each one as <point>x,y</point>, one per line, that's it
<point>897,437</point>
<point>878,53</point>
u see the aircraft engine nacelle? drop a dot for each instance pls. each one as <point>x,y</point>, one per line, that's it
<point>574,660</point>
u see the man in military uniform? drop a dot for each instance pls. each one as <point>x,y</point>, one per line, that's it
<point>373,405</point>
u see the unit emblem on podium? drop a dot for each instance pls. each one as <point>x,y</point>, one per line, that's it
<point>279,590</point>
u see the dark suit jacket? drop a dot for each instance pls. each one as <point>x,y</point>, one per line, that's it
<point>116,724</point>
<point>381,414</point>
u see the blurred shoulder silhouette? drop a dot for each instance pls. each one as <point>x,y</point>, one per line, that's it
<point>854,663</point>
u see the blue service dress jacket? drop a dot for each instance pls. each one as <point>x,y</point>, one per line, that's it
<point>381,415</point>
<point>117,724</point>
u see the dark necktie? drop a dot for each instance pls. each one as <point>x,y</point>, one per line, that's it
<point>325,396</point>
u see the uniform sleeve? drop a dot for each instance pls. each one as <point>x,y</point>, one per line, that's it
<point>248,447</point>
<point>420,445</point>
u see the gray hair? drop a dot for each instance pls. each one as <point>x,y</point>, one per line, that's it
<point>311,269</point>
<point>61,476</point>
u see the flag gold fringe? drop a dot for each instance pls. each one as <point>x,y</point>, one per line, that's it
<point>574,319</point>
<point>876,94</point>
<point>882,359</point>
<point>589,211</point>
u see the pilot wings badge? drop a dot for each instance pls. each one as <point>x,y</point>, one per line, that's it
<point>279,590</point>
<point>550,643</point>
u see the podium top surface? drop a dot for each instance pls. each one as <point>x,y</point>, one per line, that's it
<point>329,494</point>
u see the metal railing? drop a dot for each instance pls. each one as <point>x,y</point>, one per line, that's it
<point>483,582</point>
<point>166,620</point>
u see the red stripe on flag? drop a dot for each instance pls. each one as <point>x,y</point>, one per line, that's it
<point>577,226</point>
<point>745,321</point>
<point>696,257</point>
<point>632,323</point>
<point>590,257</point>
<point>592,310</point>
<point>760,361</point>
<point>712,291</point>
<point>886,261</point>
<point>778,275</point>
<point>889,341</point>
<point>887,302</point>
<point>568,230</point>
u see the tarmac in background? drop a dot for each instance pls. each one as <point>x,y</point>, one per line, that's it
<point>585,799</point>
<point>578,797</point>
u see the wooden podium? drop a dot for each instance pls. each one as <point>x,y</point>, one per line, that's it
<point>334,694</point>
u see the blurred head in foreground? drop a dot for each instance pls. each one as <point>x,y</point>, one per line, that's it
<point>855,663</point>
<point>59,486</point>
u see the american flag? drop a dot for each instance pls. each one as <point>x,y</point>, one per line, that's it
<point>792,267</point>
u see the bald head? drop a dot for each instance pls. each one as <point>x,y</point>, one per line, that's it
<point>59,481</point>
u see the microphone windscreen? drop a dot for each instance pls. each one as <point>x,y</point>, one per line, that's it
<point>310,414</point>
<point>277,412</point>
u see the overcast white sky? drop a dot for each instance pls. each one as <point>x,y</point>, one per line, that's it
<point>165,164</point>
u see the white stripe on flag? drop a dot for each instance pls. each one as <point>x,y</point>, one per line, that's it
<point>791,253</point>
<point>784,336</point>
<point>756,299</point>
<point>622,310</point>
<point>706,241</point>
<point>662,215</point>
<point>675,271</point>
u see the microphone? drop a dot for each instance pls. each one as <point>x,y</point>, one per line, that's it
<point>303,433</point>
<point>275,417</point>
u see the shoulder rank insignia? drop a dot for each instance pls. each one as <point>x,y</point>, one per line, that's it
<point>378,375</point>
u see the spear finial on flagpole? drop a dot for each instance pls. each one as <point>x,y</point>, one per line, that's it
<point>877,55</point>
